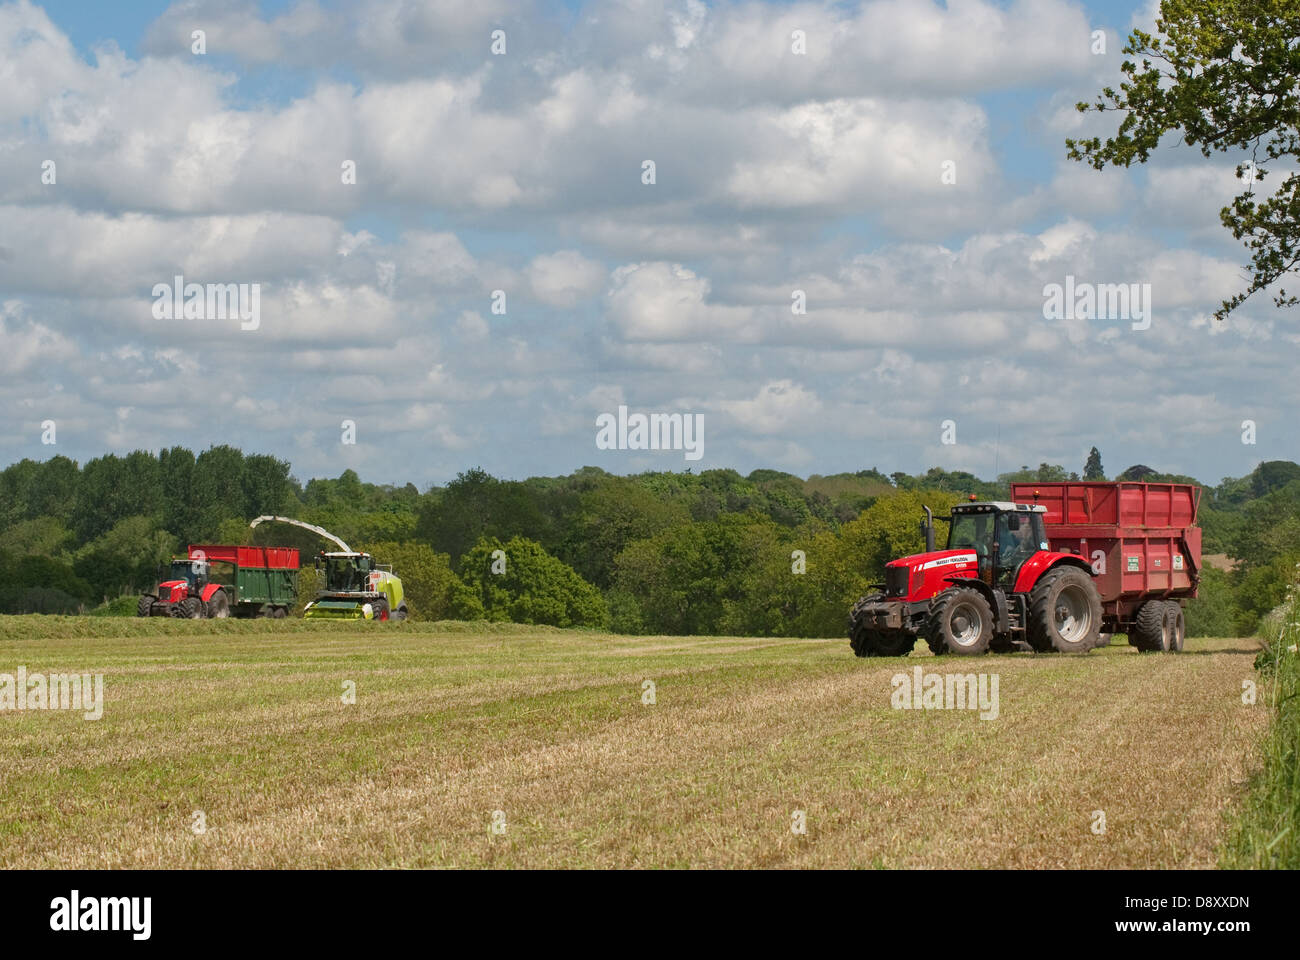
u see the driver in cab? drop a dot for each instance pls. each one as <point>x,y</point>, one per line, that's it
<point>1015,541</point>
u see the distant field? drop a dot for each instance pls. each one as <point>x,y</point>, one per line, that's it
<point>243,721</point>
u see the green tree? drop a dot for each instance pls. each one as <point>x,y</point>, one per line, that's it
<point>531,587</point>
<point>31,584</point>
<point>126,558</point>
<point>615,512</point>
<point>428,580</point>
<point>264,482</point>
<point>476,505</point>
<point>180,510</point>
<point>844,567</point>
<point>1262,588</point>
<point>696,579</point>
<point>217,489</point>
<point>44,537</point>
<point>1214,611</point>
<point>1225,75</point>
<point>1093,470</point>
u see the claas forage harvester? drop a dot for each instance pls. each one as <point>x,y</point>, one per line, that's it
<point>356,588</point>
<point>1061,566</point>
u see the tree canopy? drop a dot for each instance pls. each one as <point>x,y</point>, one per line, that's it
<point>1225,76</point>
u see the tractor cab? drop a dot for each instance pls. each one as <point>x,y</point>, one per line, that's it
<point>192,571</point>
<point>1003,535</point>
<point>347,572</point>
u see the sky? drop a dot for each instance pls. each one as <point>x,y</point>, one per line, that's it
<point>460,259</point>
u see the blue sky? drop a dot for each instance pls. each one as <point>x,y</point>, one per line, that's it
<point>521,172</point>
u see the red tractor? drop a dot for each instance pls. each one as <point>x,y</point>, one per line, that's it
<point>188,593</point>
<point>1083,561</point>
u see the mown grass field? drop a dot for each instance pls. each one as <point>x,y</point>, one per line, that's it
<point>244,722</point>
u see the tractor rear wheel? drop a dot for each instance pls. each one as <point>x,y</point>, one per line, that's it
<point>1065,612</point>
<point>961,622</point>
<point>145,606</point>
<point>219,606</point>
<point>1150,632</point>
<point>1177,625</point>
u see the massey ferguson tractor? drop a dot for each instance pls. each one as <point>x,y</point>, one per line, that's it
<point>186,593</point>
<point>1062,566</point>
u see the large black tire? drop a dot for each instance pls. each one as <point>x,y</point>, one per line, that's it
<point>881,643</point>
<point>279,613</point>
<point>1177,625</point>
<point>191,608</point>
<point>219,606</point>
<point>381,609</point>
<point>145,607</point>
<point>961,622</point>
<point>1150,632</point>
<point>401,613</point>
<point>1065,612</point>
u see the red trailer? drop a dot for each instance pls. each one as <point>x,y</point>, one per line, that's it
<point>1141,542</point>
<point>1061,566</point>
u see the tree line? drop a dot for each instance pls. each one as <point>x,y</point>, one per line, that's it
<point>713,552</point>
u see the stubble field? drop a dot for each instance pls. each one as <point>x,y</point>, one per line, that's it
<point>509,746</point>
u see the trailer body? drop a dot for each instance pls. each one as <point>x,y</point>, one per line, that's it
<point>1139,539</point>
<point>261,581</point>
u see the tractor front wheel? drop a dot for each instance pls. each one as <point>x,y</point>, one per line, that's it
<point>961,622</point>
<point>1065,612</point>
<point>191,608</point>
<point>145,607</point>
<point>881,643</point>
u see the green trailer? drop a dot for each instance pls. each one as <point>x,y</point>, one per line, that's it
<point>261,581</point>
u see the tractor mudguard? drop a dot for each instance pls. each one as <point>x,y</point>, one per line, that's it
<point>1033,569</point>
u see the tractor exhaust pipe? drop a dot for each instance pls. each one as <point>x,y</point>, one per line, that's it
<point>927,528</point>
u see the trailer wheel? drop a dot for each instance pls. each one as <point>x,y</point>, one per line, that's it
<point>219,606</point>
<point>1150,632</point>
<point>145,606</point>
<point>1177,625</point>
<point>280,613</point>
<point>961,622</point>
<point>1064,612</point>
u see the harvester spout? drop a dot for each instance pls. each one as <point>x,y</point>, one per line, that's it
<point>321,531</point>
